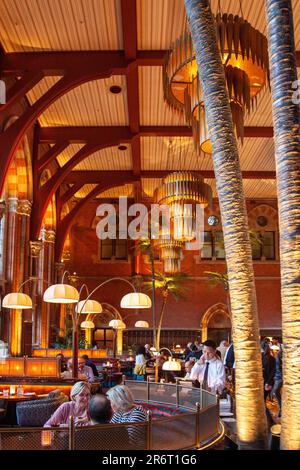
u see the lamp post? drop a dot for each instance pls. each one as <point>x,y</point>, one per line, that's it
<point>64,293</point>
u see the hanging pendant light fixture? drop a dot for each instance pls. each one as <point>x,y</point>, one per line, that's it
<point>117,324</point>
<point>141,324</point>
<point>87,325</point>
<point>182,191</point>
<point>244,53</point>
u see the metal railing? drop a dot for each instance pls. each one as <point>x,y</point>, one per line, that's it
<point>195,424</point>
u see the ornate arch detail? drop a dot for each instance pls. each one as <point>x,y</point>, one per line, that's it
<point>267,211</point>
<point>210,312</point>
<point>18,182</point>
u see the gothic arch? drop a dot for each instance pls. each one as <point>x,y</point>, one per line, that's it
<point>218,308</point>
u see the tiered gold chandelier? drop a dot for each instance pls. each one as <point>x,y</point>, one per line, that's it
<point>244,53</point>
<point>181,191</point>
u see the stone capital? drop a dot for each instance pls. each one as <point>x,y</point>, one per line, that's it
<point>48,236</point>
<point>35,248</point>
<point>2,208</point>
<point>24,207</point>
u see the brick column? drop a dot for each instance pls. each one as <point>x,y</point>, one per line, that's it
<point>35,249</point>
<point>46,271</point>
<point>17,262</point>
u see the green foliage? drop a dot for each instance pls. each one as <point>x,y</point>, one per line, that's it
<point>218,279</point>
<point>168,284</point>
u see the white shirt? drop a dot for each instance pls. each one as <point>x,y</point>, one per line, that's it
<point>216,374</point>
<point>140,360</point>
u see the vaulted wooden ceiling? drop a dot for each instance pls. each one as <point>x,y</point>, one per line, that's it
<point>132,26</point>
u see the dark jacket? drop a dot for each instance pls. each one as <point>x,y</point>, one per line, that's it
<point>229,358</point>
<point>278,371</point>
<point>269,366</point>
<point>93,367</point>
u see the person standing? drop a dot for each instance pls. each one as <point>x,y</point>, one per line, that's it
<point>269,367</point>
<point>222,348</point>
<point>276,391</point>
<point>209,371</point>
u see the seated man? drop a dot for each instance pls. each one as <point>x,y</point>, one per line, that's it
<point>209,371</point>
<point>104,438</point>
<point>84,372</point>
<point>90,364</point>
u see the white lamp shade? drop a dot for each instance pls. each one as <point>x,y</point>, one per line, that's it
<point>117,324</point>
<point>61,294</point>
<point>87,324</point>
<point>172,364</point>
<point>17,300</point>
<point>88,306</point>
<point>141,324</point>
<point>136,300</point>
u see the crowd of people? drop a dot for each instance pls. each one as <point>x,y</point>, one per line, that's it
<point>206,366</point>
<point>117,406</point>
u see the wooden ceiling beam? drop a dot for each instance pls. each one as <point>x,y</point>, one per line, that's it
<point>84,134</point>
<point>56,63</point>
<point>94,177</point>
<point>129,26</point>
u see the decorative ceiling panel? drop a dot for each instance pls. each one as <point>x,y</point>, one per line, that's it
<point>154,111</point>
<point>126,190</point>
<point>110,158</point>
<point>68,153</point>
<point>163,153</point>
<point>62,25</point>
<point>91,104</point>
<point>253,189</point>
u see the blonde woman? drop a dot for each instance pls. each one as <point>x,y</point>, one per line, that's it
<point>126,411</point>
<point>77,407</point>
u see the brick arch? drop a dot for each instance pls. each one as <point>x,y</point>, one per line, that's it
<point>269,212</point>
<point>18,181</point>
<point>218,308</point>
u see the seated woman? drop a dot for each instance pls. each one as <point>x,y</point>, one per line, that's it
<point>78,407</point>
<point>126,411</point>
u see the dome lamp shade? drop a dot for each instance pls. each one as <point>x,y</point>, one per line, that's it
<point>88,306</point>
<point>141,324</point>
<point>136,300</point>
<point>87,324</point>
<point>117,324</point>
<point>17,300</point>
<point>61,294</point>
<point>172,365</point>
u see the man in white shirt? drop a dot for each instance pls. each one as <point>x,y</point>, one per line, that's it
<point>209,370</point>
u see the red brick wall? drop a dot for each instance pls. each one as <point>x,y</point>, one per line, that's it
<point>201,296</point>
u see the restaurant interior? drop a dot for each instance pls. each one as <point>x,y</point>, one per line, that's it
<point>108,110</point>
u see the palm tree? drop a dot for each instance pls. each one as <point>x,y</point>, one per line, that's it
<point>286,118</point>
<point>145,246</point>
<point>250,406</point>
<point>167,285</point>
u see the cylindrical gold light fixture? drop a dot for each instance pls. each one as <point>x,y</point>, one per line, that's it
<point>182,191</point>
<point>244,53</point>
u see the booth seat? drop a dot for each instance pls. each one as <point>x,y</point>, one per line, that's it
<point>35,413</point>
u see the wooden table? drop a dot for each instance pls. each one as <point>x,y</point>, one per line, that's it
<point>12,400</point>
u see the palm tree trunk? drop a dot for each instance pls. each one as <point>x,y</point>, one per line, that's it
<point>250,406</point>
<point>286,117</point>
<point>163,307</point>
